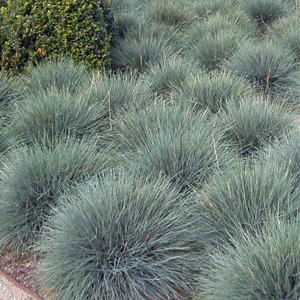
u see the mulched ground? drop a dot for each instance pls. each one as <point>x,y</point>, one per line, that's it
<point>22,271</point>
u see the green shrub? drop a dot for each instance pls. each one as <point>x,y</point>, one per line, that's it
<point>34,30</point>
<point>252,123</point>
<point>212,90</point>
<point>60,74</point>
<point>243,198</point>
<point>259,266</point>
<point>271,69</point>
<point>174,142</point>
<point>126,238</point>
<point>54,114</point>
<point>31,181</point>
<point>265,12</point>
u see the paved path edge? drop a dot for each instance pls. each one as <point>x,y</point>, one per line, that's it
<point>19,286</point>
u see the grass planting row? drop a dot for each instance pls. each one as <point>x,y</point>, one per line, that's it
<point>174,175</point>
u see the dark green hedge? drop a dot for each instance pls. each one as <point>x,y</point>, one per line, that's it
<point>32,30</point>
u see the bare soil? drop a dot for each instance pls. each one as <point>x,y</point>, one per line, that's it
<point>23,271</point>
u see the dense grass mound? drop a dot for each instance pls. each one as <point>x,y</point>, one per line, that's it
<point>31,181</point>
<point>259,266</point>
<point>172,141</point>
<point>53,114</point>
<point>271,69</point>
<point>243,198</point>
<point>176,14</point>
<point>130,239</point>
<point>139,49</point>
<point>117,92</point>
<point>169,75</point>
<point>61,74</point>
<point>264,12</point>
<point>212,90</point>
<point>252,123</point>
<point>286,154</point>
<point>286,32</point>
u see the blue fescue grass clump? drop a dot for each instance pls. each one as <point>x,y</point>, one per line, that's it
<point>176,14</point>
<point>126,238</point>
<point>264,12</point>
<point>243,198</point>
<point>212,90</point>
<point>117,92</point>
<point>270,68</point>
<point>169,75</point>
<point>137,50</point>
<point>211,51</point>
<point>286,154</point>
<point>53,114</point>
<point>172,141</point>
<point>286,32</point>
<point>32,178</point>
<point>263,265</point>
<point>8,90</point>
<point>61,74</point>
<point>252,123</point>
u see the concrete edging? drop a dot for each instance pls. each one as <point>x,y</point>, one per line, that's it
<point>19,286</point>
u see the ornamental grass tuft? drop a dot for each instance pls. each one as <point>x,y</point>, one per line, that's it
<point>137,49</point>
<point>270,68</point>
<point>211,51</point>
<point>212,90</point>
<point>174,142</point>
<point>60,74</point>
<point>126,238</point>
<point>286,154</point>
<point>264,12</point>
<point>253,123</point>
<point>243,198</point>
<point>32,178</point>
<point>263,265</point>
<point>55,113</point>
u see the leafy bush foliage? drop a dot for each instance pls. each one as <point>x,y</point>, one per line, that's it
<point>132,238</point>
<point>243,198</point>
<point>257,266</point>
<point>31,181</point>
<point>33,30</point>
<point>270,68</point>
<point>253,123</point>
